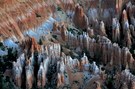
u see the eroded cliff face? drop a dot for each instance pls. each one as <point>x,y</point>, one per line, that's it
<point>15,20</point>
<point>36,9</point>
<point>18,16</point>
<point>69,43</point>
<point>50,61</point>
<point>30,45</point>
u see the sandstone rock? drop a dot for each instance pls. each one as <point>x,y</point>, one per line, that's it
<point>84,60</point>
<point>55,26</point>
<point>64,33</point>
<point>68,4</point>
<point>127,39</point>
<point>99,47</point>
<point>80,19</point>
<point>76,64</point>
<point>124,86</point>
<point>53,50</point>
<point>17,74</point>
<point>95,85</point>
<point>125,23</point>
<point>130,60</point>
<point>78,76</point>
<point>86,39</point>
<point>132,30</point>
<point>94,68</point>
<point>115,30</point>
<point>29,75</point>
<point>124,56</point>
<point>131,11</point>
<point>132,85</point>
<point>119,5</point>
<point>127,79</point>
<point>116,54</point>
<point>98,86</point>
<point>30,45</point>
<point>93,48</point>
<point>60,81</point>
<point>41,77</point>
<point>90,32</point>
<point>102,30</point>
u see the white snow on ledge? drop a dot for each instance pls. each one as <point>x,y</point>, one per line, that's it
<point>42,29</point>
<point>35,32</point>
<point>2,53</point>
<point>10,43</point>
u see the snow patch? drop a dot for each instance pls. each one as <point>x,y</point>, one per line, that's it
<point>10,43</point>
<point>2,53</point>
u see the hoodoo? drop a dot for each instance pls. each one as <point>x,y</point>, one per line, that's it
<point>67,44</point>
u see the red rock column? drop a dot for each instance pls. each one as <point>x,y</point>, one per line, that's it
<point>115,30</point>
<point>80,19</point>
<point>102,30</point>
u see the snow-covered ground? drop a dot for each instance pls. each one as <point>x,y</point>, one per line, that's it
<point>42,29</point>
<point>36,32</point>
<point>46,26</point>
<point>10,43</point>
<point>2,53</point>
